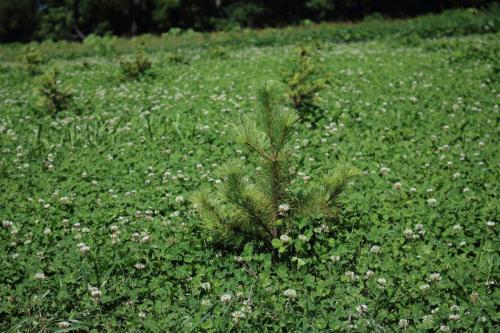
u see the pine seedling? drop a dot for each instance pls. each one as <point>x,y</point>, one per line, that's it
<point>135,68</point>
<point>217,52</point>
<point>53,97</point>
<point>177,57</point>
<point>262,205</point>
<point>304,84</point>
<point>32,61</point>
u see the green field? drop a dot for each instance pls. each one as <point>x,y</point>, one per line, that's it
<point>99,235</point>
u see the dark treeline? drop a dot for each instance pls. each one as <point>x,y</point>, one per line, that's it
<point>24,20</point>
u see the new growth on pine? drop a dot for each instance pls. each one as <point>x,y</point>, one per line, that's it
<point>262,205</point>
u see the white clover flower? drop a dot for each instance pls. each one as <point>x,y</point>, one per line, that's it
<point>144,237</point>
<point>179,199</point>
<point>94,292</point>
<point>457,227</point>
<point>40,276</point>
<point>490,224</point>
<point>397,186</point>
<point>142,315</point>
<point>283,209</point>
<point>424,287</point>
<point>290,294</point>
<point>362,309</point>
<point>334,258</point>
<point>303,238</point>
<point>413,190</point>
<point>404,323</point>
<point>285,239</point>
<point>384,171</point>
<point>375,249</point>
<point>206,302</point>
<point>382,282</point>
<point>7,224</point>
<point>444,328</point>
<point>351,275</point>
<point>64,200</point>
<point>84,249</point>
<point>47,231</point>
<point>408,233</point>
<point>206,285</point>
<point>139,266</point>
<point>238,315</point>
<point>63,324</point>
<point>322,229</point>
<point>225,298</point>
<point>454,307</point>
<point>370,273</point>
<point>115,237</point>
<point>435,277</point>
<point>432,202</point>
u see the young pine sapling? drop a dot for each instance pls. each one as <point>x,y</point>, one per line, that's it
<point>264,205</point>
<point>133,69</point>
<point>53,97</point>
<point>32,61</point>
<point>304,84</point>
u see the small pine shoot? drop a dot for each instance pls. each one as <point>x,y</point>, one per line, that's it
<point>32,61</point>
<point>217,52</point>
<point>53,97</point>
<point>261,205</point>
<point>178,57</point>
<point>133,69</point>
<point>304,84</point>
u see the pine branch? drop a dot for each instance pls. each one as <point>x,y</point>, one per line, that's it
<point>335,181</point>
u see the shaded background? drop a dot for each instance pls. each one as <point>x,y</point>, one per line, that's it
<point>25,20</point>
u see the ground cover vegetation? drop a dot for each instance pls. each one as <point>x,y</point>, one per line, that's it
<point>108,186</point>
